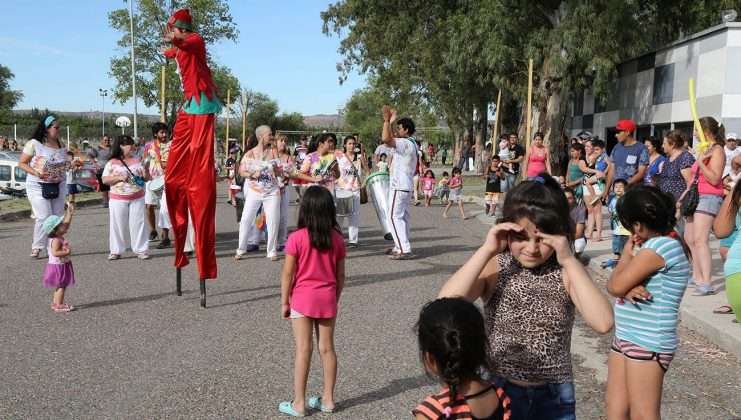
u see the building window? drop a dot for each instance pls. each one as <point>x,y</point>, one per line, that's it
<point>579,104</point>
<point>687,127</point>
<point>664,84</point>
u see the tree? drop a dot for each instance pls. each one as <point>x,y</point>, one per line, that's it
<point>213,22</point>
<point>8,98</point>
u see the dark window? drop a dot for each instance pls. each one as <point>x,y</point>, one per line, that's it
<point>660,130</point>
<point>610,139</point>
<point>687,127</point>
<point>579,104</point>
<point>643,132</point>
<point>20,174</point>
<point>646,62</point>
<point>628,68</point>
<point>4,173</point>
<point>588,122</point>
<point>663,84</point>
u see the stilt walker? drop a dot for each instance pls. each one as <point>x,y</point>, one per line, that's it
<point>190,178</point>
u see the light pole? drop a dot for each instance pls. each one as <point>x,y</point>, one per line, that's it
<point>133,68</point>
<point>103,93</point>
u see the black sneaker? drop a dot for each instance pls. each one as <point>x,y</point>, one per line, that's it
<point>253,248</point>
<point>152,236</point>
<point>165,243</point>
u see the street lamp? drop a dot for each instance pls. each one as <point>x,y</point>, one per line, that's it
<point>103,93</point>
<point>133,68</point>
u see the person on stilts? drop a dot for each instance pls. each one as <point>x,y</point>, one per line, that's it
<point>190,177</point>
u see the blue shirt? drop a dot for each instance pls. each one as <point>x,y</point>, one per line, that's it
<point>627,159</point>
<point>733,261</point>
<point>653,170</point>
<point>653,324</point>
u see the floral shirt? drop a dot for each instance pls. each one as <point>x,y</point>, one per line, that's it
<point>670,179</point>
<point>129,189</point>
<point>315,165</point>
<point>47,160</point>
<point>267,181</point>
<point>349,179</point>
<point>156,157</point>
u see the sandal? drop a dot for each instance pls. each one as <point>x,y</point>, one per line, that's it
<point>62,307</point>
<point>723,309</point>
<point>238,256</point>
<point>35,253</point>
<point>113,257</point>
<point>703,290</point>
<point>390,251</point>
<point>403,256</point>
<point>286,407</point>
<point>316,403</point>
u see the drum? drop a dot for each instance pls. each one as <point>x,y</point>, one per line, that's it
<point>344,202</point>
<point>377,184</point>
<point>157,184</point>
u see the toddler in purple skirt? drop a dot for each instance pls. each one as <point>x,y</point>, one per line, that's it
<point>59,273</point>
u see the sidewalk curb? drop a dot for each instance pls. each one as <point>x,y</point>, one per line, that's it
<point>25,214</point>
<point>695,313</point>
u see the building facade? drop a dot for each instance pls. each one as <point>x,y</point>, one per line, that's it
<point>653,89</point>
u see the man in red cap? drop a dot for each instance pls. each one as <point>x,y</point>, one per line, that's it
<point>629,158</point>
<point>190,179</point>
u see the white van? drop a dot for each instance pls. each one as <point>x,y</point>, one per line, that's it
<point>12,177</point>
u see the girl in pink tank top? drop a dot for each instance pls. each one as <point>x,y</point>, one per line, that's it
<point>537,157</point>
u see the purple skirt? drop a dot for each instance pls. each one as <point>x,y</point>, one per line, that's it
<point>59,275</point>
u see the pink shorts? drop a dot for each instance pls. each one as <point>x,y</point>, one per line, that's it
<point>428,193</point>
<point>638,353</point>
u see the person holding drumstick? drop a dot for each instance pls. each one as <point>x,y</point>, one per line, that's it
<point>155,158</point>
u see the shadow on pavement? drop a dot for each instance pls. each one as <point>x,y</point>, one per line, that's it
<point>113,302</point>
<point>396,386</point>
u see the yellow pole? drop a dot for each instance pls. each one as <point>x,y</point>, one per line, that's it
<point>226,140</point>
<point>495,135</point>
<point>162,94</point>
<point>529,103</point>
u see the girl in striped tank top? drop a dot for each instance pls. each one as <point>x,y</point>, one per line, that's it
<point>649,283</point>
<point>453,347</point>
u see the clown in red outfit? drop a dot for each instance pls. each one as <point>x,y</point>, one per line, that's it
<point>190,178</point>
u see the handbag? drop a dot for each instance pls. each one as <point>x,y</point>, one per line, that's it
<point>137,179</point>
<point>49,190</point>
<point>691,198</point>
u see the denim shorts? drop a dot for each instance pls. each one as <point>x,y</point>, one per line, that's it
<point>709,204</point>
<point>618,243</point>
<point>553,401</point>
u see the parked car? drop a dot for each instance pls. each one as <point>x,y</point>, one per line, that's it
<point>12,177</point>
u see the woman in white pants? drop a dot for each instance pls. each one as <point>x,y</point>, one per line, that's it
<point>260,168</point>
<point>127,176</point>
<point>44,159</point>
<point>353,165</point>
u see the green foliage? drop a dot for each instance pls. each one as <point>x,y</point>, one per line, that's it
<point>212,21</point>
<point>8,97</point>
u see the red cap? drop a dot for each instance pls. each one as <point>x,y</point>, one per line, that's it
<point>626,125</point>
<point>181,19</point>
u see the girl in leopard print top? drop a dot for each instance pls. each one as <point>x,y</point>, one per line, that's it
<point>531,283</point>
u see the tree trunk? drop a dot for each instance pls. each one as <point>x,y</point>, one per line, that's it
<point>480,137</point>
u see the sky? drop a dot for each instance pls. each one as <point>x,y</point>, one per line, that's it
<point>281,51</point>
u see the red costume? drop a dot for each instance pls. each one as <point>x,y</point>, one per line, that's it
<point>190,177</point>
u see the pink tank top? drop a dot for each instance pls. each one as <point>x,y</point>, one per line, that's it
<point>536,163</point>
<point>703,186</point>
<point>52,258</point>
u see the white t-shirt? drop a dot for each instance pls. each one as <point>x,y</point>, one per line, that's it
<point>382,148</point>
<point>730,154</point>
<point>404,164</point>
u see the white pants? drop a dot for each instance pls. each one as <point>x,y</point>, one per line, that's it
<point>398,216</point>
<point>43,208</point>
<point>353,220</point>
<point>152,198</point>
<point>283,224</point>
<point>271,207</point>
<point>128,215</point>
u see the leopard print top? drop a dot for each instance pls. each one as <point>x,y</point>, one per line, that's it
<point>529,318</point>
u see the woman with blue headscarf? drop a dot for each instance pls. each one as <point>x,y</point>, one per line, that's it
<point>44,158</point>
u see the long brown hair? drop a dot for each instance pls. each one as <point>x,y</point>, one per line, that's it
<point>711,125</point>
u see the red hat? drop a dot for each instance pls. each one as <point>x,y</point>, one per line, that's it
<point>181,19</point>
<point>626,125</point>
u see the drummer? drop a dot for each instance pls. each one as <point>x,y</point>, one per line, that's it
<point>154,157</point>
<point>353,166</point>
<point>320,162</point>
<point>402,170</point>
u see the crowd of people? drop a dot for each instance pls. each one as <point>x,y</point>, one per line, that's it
<point>10,145</point>
<point>664,198</point>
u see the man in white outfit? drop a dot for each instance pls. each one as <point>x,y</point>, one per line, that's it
<point>402,169</point>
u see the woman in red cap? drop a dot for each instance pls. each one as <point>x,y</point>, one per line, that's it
<point>190,179</point>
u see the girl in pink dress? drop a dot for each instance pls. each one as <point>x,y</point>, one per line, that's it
<point>311,284</point>
<point>59,273</point>
<point>428,186</point>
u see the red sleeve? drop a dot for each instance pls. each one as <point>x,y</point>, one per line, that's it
<point>171,53</point>
<point>191,43</point>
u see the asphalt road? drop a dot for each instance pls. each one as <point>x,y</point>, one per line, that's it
<point>135,350</point>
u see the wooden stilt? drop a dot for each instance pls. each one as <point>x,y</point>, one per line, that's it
<point>178,282</point>
<point>203,293</point>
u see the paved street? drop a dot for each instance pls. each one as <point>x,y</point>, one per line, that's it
<point>135,350</point>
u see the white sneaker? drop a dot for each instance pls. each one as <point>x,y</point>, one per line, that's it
<point>142,256</point>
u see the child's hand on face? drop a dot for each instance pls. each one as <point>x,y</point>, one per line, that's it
<point>496,239</point>
<point>560,245</point>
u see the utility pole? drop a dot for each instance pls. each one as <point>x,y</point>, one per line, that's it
<point>103,93</point>
<point>133,68</point>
